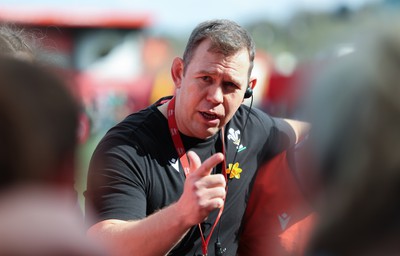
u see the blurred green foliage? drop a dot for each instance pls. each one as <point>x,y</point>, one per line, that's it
<point>310,34</point>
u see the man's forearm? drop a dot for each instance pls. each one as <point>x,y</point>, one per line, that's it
<point>154,235</point>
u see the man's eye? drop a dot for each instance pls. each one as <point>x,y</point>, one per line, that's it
<point>206,78</point>
<point>230,84</point>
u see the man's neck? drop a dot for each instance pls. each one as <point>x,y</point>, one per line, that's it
<point>164,110</point>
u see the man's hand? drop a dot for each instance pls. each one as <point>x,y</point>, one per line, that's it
<point>203,192</point>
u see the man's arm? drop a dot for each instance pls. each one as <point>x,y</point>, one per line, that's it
<point>300,128</point>
<point>158,233</point>
<point>153,235</point>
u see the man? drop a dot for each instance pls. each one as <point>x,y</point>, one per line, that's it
<point>174,178</point>
<point>354,147</point>
<point>38,138</point>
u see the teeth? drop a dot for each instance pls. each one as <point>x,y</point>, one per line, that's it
<point>208,116</point>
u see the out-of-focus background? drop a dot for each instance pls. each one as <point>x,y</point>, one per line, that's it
<point>116,54</point>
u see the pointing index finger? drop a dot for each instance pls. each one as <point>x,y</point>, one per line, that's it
<point>206,167</point>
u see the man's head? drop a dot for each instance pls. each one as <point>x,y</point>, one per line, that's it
<point>226,37</point>
<point>355,114</point>
<point>38,131</point>
<point>212,77</point>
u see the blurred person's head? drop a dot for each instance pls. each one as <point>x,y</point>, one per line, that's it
<point>38,138</point>
<point>38,131</point>
<point>15,42</point>
<point>355,115</point>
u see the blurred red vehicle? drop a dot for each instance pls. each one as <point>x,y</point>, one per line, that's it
<point>101,53</point>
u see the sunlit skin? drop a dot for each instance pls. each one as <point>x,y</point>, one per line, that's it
<point>210,91</point>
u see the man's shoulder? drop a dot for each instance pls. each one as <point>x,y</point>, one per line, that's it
<point>245,113</point>
<point>138,126</point>
<point>251,120</point>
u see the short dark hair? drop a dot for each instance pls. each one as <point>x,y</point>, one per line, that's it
<point>226,36</point>
<point>39,123</point>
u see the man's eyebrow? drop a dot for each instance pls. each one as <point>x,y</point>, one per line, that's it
<point>224,79</point>
<point>207,72</point>
<point>232,79</point>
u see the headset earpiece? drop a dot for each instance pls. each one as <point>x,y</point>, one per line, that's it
<point>248,93</point>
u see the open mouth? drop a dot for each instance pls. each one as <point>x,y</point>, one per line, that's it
<point>209,116</point>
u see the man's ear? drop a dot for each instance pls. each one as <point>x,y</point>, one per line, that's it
<point>177,71</point>
<point>252,82</point>
<point>249,90</point>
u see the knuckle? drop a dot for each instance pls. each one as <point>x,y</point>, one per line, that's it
<point>222,192</point>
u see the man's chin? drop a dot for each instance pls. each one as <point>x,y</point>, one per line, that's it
<point>210,132</point>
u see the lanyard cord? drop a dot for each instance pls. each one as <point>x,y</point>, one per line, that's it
<point>173,128</point>
<point>218,248</point>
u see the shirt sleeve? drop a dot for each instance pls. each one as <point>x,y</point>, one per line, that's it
<point>280,135</point>
<point>115,184</point>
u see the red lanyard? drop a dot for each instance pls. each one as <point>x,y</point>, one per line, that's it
<point>173,128</point>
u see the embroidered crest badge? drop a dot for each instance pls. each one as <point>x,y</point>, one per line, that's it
<point>235,137</point>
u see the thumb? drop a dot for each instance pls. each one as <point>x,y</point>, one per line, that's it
<point>203,169</point>
<point>194,161</point>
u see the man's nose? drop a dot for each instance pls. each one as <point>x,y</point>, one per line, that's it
<point>215,94</point>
